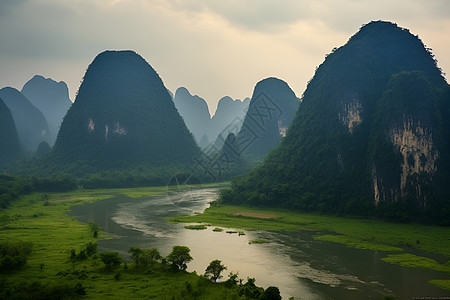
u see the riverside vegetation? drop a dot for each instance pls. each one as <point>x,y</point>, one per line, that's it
<point>46,254</point>
<point>396,239</point>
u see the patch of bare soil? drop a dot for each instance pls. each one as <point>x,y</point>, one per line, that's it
<point>255,215</point>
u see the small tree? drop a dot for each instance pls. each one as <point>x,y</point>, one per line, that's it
<point>135,255</point>
<point>179,257</point>
<point>91,248</point>
<point>214,269</point>
<point>110,259</point>
<point>233,279</point>
<point>95,228</point>
<point>150,256</point>
<point>271,293</point>
<point>144,257</point>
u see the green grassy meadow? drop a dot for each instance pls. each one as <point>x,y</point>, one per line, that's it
<point>54,234</point>
<point>358,233</point>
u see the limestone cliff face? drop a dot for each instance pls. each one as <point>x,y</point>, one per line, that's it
<point>407,119</point>
<point>414,142</point>
<point>371,135</point>
<point>350,113</point>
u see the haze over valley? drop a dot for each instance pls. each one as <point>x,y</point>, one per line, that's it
<point>227,175</point>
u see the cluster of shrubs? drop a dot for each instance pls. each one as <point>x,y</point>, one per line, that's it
<point>89,250</point>
<point>13,255</point>
<point>40,291</point>
<point>146,259</point>
<point>12,187</point>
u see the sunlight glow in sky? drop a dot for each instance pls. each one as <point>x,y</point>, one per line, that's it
<point>214,48</point>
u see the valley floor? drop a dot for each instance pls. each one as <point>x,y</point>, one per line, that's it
<point>399,240</point>
<point>49,273</point>
<point>44,222</point>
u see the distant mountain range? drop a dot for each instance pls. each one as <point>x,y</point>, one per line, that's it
<point>51,98</point>
<point>228,118</point>
<point>10,148</point>
<point>205,128</point>
<point>195,113</point>
<point>371,135</point>
<point>31,124</point>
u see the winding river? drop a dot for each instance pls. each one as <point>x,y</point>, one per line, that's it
<point>293,261</point>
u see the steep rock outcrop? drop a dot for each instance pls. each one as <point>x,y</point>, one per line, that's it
<point>122,117</point>
<point>370,135</point>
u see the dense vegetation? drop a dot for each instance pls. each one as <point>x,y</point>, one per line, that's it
<point>339,139</point>
<point>10,148</point>
<point>398,240</point>
<point>12,187</point>
<point>122,117</point>
<point>46,254</point>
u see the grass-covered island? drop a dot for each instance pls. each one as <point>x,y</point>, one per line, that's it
<point>397,239</point>
<point>47,254</point>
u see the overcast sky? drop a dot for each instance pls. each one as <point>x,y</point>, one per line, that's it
<point>212,47</point>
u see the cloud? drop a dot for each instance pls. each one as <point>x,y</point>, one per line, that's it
<point>258,15</point>
<point>276,15</point>
<point>6,6</point>
<point>215,48</point>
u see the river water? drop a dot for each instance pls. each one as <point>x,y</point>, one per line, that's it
<point>298,265</point>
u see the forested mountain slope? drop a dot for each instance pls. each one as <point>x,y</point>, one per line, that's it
<point>371,135</point>
<point>122,117</point>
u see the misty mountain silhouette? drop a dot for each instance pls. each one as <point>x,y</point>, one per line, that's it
<point>51,98</point>
<point>122,117</point>
<point>10,148</point>
<point>205,128</point>
<point>271,111</point>
<point>31,124</point>
<point>194,111</point>
<point>370,135</point>
<point>229,115</point>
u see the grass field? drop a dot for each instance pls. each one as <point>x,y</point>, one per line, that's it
<point>355,232</point>
<point>54,234</point>
<point>358,233</point>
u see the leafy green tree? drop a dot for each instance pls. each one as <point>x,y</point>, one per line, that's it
<point>250,290</point>
<point>135,255</point>
<point>214,269</point>
<point>233,279</point>
<point>271,293</point>
<point>144,257</point>
<point>91,248</point>
<point>150,256</point>
<point>110,259</point>
<point>179,257</point>
<point>95,228</point>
